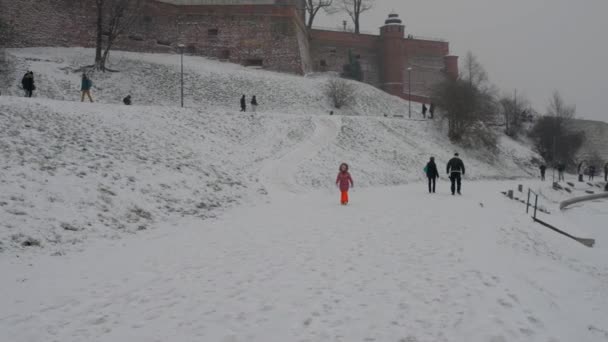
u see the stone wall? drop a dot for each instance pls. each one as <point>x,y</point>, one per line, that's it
<point>267,35</point>
<point>329,52</point>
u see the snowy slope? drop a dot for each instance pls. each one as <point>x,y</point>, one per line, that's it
<point>398,264</point>
<point>74,170</point>
<point>157,223</point>
<point>154,79</point>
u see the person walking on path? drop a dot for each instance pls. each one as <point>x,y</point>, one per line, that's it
<point>432,174</point>
<point>455,169</point>
<point>243,104</point>
<point>560,172</point>
<point>254,104</point>
<point>606,172</point>
<point>581,171</point>
<point>28,84</point>
<point>127,100</point>
<point>424,110</point>
<point>85,87</point>
<point>543,169</point>
<point>591,172</point>
<point>344,181</point>
<point>432,111</point>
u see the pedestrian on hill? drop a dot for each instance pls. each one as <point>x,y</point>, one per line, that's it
<point>455,169</point>
<point>432,174</point>
<point>591,172</point>
<point>344,181</point>
<point>543,168</point>
<point>606,172</point>
<point>581,171</point>
<point>254,104</point>
<point>85,87</point>
<point>243,104</point>
<point>432,111</point>
<point>127,100</point>
<point>424,110</point>
<point>560,172</point>
<point>28,84</point>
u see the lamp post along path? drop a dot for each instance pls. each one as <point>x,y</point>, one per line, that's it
<point>409,91</point>
<point>181,50</point>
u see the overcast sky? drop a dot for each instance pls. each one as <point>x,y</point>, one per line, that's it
<point>536,46</point>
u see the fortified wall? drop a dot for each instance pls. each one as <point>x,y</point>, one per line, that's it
<point>401,65</point>
<point>270,34</point>
<point>266,33</point>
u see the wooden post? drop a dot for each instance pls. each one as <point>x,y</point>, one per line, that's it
<point>528,202</point>
<point>535,206</point>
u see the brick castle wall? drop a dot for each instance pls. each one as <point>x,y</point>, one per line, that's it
<point>382,58</point>
<point>270,35</point>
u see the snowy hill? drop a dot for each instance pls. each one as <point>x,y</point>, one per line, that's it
<point>102,169</point>
<point>156,223</point>
<point>154,79</point>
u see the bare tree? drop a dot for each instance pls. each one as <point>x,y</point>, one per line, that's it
<point>558,109</point>
<point>99,33</point>
<point>114,17</point>
<point>313,7</point>
<point>339,91</point>
<point>468,103</point>
<point>553,137</point>
<point>474,72</point>
<point>514,110</point>
<point>354,9</point>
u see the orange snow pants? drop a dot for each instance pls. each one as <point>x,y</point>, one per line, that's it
<point>344,197</point>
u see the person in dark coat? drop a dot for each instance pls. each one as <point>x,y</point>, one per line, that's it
<point>127,100</point>
<point>432,174</point>
<point>254,104</point>
<point>581,171</point>
<point>28,84</point>
<point>591,172</point>
<point>85,87</point>
<point>606,172</point>
<point>455,169</point>
<point>543,169</point>
<point>424,110</point>
<point>560,172</point>
<point>243,104</point>
<point>432,111</point>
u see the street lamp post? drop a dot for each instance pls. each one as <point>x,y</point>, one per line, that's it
<point>181,51</point>
<point>409,92</point>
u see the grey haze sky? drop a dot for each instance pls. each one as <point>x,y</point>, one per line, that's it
<point>536,46</point>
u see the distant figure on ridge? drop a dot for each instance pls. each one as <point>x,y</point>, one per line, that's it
<point>432,174</point>
<point>591,172</point>
<point>560,172</point>
<point>581,171</point>
<point>344,181</point>
<point>127,100</point>
<point>254,104</point>
<point>424,110</point>
<point>543,168</point>
<point>243,104</point>
<point>455,169</point>
<point>28,84</point>
<point>85,87</point>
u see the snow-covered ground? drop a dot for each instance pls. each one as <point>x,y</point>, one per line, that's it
<point>157,223</point>
<point>154,79</point>
<point>397,264</point>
